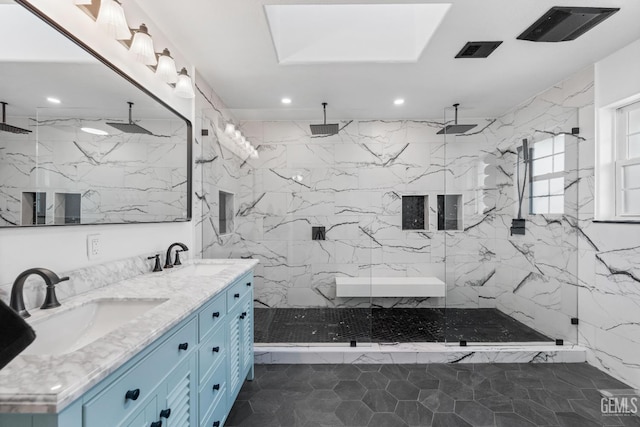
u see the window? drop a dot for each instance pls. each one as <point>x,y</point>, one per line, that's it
<point>546,178</point>
<point>627,160</point>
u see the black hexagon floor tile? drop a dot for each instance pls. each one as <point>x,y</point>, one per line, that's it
<point>507,395</point>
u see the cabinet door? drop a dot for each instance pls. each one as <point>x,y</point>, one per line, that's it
<point>235,354</point>
<point>144,416</point>
<point>246,344</point>
<point>179,408</point>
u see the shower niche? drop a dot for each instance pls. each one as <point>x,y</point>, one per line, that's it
<point>415,213</point>
<point>450,212</point>
<point>225,212</point>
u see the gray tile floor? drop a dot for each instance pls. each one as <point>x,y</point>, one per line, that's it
<point>504,395</point>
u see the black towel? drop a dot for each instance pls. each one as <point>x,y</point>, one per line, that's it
<point>15,334</point>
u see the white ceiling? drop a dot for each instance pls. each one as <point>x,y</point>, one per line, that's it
<point>230,44</point>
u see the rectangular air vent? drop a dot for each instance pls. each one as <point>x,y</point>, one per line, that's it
<point>561,24</point>
<point>477,49</point>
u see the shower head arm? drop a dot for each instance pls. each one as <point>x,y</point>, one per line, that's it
<point>456,113</point>
<point>4,113</point>
<point>324,109</point>
<point>130,112</point>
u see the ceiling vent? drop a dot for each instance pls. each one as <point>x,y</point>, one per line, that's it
<point>477,49</point>
<point>561,24</point>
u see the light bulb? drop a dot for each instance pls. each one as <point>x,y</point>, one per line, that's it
<point>184,87</point>
<point>111,18</point>
<point>142,46</point>
<point>167,68</point>
<point>230,129</point>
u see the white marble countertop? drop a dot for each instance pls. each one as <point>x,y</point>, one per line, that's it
<point>47,384</point>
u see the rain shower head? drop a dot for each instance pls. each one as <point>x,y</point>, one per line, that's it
<point>130,127</point>
<point>455,128</point>
<point>5,127</point>
<point>324,129</point>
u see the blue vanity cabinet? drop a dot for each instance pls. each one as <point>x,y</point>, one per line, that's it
<point>189,377</point>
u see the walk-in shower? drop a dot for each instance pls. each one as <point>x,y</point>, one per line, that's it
<point>400,200</point>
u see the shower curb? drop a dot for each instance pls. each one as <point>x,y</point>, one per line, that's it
<point>419,353</point>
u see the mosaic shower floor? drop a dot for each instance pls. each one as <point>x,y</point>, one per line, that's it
<point>340,325</point>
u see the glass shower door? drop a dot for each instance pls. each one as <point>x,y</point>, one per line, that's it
<point>509,217</point>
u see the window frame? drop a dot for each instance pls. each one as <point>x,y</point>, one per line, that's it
<point>547,176</point>
<point>621,157</point>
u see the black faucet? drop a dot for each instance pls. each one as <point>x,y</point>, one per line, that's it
<point>50,300</point>
<point>157,266</point>
<point>167,260</point>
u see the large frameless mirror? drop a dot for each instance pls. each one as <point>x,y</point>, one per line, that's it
<point>80,143</point>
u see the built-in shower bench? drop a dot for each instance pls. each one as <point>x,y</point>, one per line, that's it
<point>399,287</point>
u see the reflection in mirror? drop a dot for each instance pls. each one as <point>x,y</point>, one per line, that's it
<point>100,150</point>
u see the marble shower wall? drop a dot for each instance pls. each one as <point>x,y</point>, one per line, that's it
<point>537,273</point>
<point>352,184</point>
<point>568,265</point>
<point>120,177</point>
<point>215,169</point>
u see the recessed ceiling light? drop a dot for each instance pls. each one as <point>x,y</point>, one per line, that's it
<point>286,100</point>
<point>53,100</point>
<point>94,131</point>
<point>399,101</point>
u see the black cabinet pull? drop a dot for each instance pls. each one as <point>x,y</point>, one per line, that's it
<point>132,394</point>
<point>183,346</point>
<point>165,413</point>
<point>216,386</point>
<point>248,283</point>
<point>215,349</point>
<point>243,315</point>
<point>216,424</point>
<point>156,424</point>
<point>236,295</point>
<point>216,314</point>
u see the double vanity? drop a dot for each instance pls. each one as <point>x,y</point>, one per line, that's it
<point>171,348</point>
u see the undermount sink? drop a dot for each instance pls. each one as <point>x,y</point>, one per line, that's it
<point>74,328</point>
<point>200,270</point>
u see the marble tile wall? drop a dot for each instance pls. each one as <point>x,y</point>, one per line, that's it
<point>215,169</point>
<point>119,177</point>
<point>537,273</point>
<point>352,184</point>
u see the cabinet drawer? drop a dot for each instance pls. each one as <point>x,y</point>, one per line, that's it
<point>112,405</point>
<point>236,292</point>
<point>212,315</point>
<point>217,417</point>
<point>212,351</point>
<point>213,390</point>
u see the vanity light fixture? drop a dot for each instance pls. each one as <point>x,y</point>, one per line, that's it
<point>53,100</point>
<point>184,87</point>
<point>398,101</point>
<point>111,18</point>
<point>94,131</point>
<point>286,100</point>
<point>166,69</point>
<point>230,129</point>
<point>238,143</point>
<point>142,46</point>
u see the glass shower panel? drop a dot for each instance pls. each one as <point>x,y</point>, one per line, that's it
<point>303,215</point>
<point>511,280</point>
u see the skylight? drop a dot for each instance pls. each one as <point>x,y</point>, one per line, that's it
<point>326,33</point>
